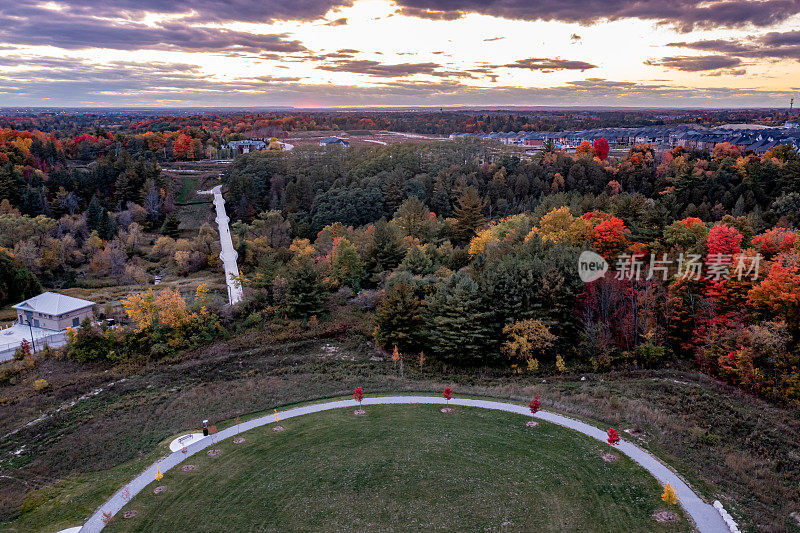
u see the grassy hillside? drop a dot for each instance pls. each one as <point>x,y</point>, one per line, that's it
<point>730,446</point>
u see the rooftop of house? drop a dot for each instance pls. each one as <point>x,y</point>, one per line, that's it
<point>52,303</point>
<point>247,142</point>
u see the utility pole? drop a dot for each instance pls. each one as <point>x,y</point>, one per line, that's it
<point>29,316</point>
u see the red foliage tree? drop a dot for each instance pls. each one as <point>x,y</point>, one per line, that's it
<point>609,237</point>
<point>724,239</point>
<point>775,241</point>
<point>779,294</point>
<point>535,405</point>
<point>448,394</point>
<point>358,396</point>
<point>25,348</point>
<point>613,437</point>
<point>601,148</point>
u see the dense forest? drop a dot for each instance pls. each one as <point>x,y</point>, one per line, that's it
<point>459,253</point>
<point>471,258</point>
<point>83,132</point>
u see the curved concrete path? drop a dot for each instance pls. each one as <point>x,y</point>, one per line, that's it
<point>705,516</point>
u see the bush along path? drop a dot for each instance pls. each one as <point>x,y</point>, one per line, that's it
<point>706,518</point>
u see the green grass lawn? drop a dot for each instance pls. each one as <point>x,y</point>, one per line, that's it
<point>404,468</point>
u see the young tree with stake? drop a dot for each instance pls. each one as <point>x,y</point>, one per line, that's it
<point>358,395</point>
<point>613,438</point>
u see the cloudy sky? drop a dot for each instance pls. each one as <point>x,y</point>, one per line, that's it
<point>310,53</point>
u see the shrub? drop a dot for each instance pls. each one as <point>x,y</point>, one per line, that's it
<point>40,385</point>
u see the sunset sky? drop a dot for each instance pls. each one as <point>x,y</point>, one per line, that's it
<point>309,53</point>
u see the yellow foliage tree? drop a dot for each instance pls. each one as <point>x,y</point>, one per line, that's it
<point>201,293</point>
<point>559,226</point>
<point>669,496</point>
<point>141,309</point>
<point>504,229</point>
<point>478,243</point>
<point>300,247</point>
<point>560,364</point>
<point>145,309</point>
<point>172,309</point>
<point>526,339</point>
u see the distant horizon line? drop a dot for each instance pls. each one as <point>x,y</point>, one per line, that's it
<point>376,108</point>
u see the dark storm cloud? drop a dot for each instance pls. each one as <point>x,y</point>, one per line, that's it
<point>683,14</point>
<point>695,63</point>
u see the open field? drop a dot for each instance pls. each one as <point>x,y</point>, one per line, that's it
<point>358,137</point>
<point>404,465</point>
<point>728,445</point>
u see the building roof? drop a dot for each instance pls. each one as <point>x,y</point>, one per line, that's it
<point>331,140</point>
<point>248,142</point>
<point>52,303</point>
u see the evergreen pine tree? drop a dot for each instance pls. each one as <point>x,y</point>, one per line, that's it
<point>107,227</point>
<point>11,184</point>
<point>170,226</point>
<point>417,262</point>
<point>346,265</point>
<point>459,332</point>
<point>305,292</point>
<point>387,249</point>
<point>469,216</point>
<point>399,319</point>
<point>94,214</point>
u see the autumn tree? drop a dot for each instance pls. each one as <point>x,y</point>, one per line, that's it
<point>610,237</point>
<point>448,395</point>
<point>141,309</point>
<point>527,339</point>
<point>584,148</point>
<point>561,227</point>
<point>358,395</point>
<point>601,148</point>
<point>779,294</point>
<point>669,496</point>
<point>535,405</point>
<point>612,437</point>
<point>172,309</point>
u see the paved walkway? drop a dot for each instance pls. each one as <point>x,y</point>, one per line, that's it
<point>705,516</point>
<point>184,440</point>
<point>228,253</point>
